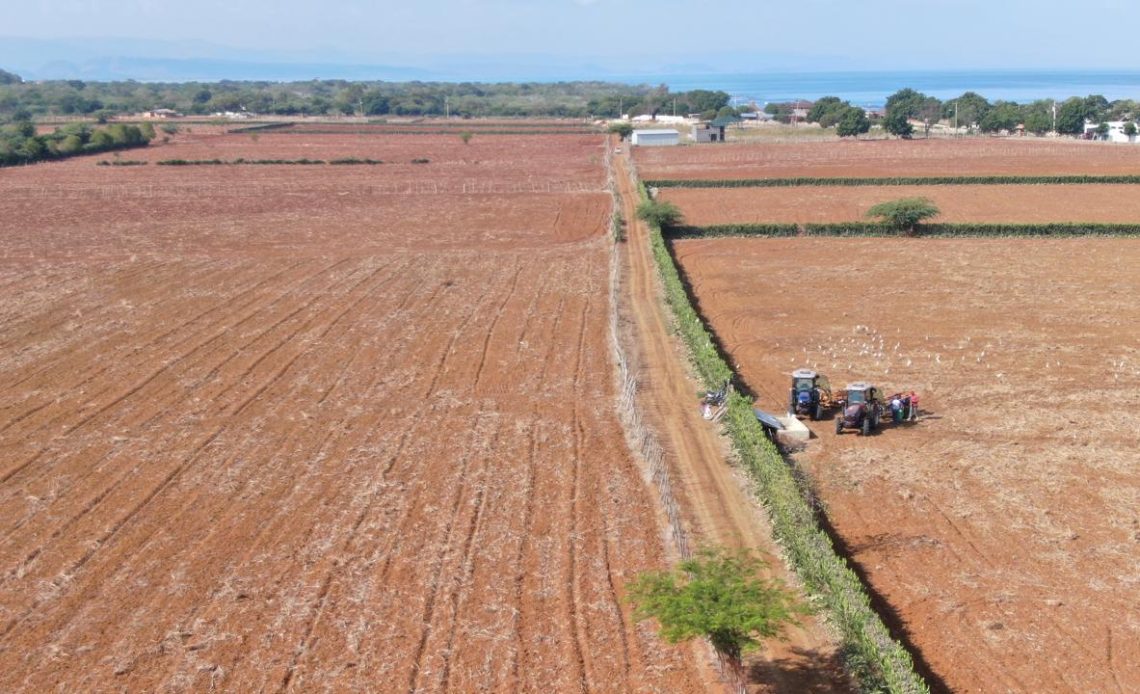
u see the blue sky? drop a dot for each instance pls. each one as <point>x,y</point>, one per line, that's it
<point>643,34</point>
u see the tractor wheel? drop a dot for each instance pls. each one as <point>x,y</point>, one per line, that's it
<point>866,426</point>
<point>839,426</point>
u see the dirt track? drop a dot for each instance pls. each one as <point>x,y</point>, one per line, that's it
<point>720,508</point>
<point>300,441</point>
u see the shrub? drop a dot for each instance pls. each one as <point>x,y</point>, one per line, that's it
<point>659,213</point>
<point>904,214</point>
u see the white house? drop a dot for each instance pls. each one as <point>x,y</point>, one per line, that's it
<point>1115,132</point>
<point>655,137</point>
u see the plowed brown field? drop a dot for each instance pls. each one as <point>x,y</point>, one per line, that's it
<point>318,428</point>
<point>965,157</point>
<point>1002,527</point>
<point>1015,204</point>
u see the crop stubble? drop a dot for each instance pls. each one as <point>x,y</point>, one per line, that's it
<point>300,439</point>
<point>1002,528</point>
<point>883,158</point>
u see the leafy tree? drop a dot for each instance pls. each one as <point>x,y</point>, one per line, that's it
<point>1003,115</point>
<point>465,136</point>
<point>971,109</point>
<point>898,124</point>
<point>1096,107</point>
<point>1071,116</point>
<point>659,212</point>
<point>853,122</point>
<point>720,596</point>
<point>929,111</point>
<point>822,106</point>
<point>698,100</point>
<point>904,214</point>
<point>623,129</point>
<point>1038,122</point>
<point>1130,129</point>
<point>1102,129</point>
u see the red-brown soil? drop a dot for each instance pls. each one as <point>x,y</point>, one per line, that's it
<point>311,428</point>
<point>1002,527</point>
<point>1017,204</point>
<point>718,506</point>
<point>964,157</point>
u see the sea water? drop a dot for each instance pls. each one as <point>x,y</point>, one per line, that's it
<point>871,89</point>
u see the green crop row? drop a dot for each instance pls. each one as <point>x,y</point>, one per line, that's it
<point>681,232</point>
<point>874,229</point>
<point>894,181</point>
<point>875,659</point>
<point>121,162</point>
<point>425,131</point>
<point>268,162</point>
<point>260,127</point>
<point>1055,229</point>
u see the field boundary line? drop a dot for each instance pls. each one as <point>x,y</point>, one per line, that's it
<point>857,181</point>
<point>878,230</point>
<point>640,439</point>
<point>871,654</point>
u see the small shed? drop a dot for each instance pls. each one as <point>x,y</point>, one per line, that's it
<point>656,137</point>
<point>713,131</point>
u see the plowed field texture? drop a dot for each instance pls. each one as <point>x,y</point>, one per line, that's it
<point>878,158</point>
<point>319,428</point>
<point>1003,527</point>
<point>1013,204</point>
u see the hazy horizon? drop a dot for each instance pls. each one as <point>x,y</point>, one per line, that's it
<point>572,38</point>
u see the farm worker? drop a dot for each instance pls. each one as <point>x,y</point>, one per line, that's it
<point>896,409</point>
<point>913,405</point>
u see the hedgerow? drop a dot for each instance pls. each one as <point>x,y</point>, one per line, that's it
<point>874,658</point>
<point>681,232</point>
<point>875,229</point>
<point>1055,229</point>
<point>895,181</point>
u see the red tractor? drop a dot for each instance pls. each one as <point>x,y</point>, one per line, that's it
<point>863,406</point>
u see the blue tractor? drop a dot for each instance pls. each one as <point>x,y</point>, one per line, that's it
<point>810,394</point>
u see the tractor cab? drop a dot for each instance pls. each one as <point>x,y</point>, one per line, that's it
<point>861,392</point>
<point>810,393</point>
<point>861,408</point>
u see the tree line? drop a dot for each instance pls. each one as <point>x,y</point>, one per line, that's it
<point>972,112</point>
<point>340,97</point>
<point>20,144</point>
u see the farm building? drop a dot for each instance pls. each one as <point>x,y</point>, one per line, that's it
<point>714,130</point>
<point>1116,132</point>
<point>656,137</point>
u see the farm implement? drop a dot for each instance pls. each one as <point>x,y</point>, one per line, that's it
<point>863,406</point>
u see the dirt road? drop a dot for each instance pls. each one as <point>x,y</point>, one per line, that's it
<point>717,505</point>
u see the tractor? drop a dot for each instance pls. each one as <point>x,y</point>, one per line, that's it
<point>861,408</point>
<point>810,394</point>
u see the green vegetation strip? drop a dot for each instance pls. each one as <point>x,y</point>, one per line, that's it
<point>444,131</point>
<point>895,181</point>
<point>271,162</point>
<point>872,229</point>
<point>875,659</point>
<point>260,127</point>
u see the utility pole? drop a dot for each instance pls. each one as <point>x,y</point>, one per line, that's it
<point>1054,118</point>
<point>621,108</point>
<point>446,107</point>
<point>955,118</point>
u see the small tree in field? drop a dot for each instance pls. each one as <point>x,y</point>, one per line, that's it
<point>904,214</point>
<point>622,129</point>
<point>717,595</point>
<point>465,136</point>
<point>660,212</point>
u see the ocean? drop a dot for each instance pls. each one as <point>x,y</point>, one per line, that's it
<point>871,89</point>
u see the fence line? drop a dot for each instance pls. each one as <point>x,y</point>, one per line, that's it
<point>641,439</point>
